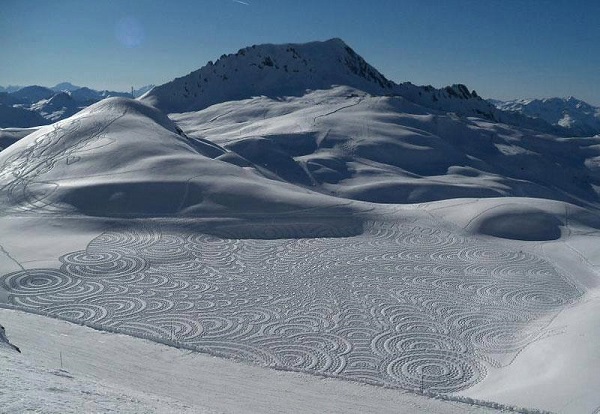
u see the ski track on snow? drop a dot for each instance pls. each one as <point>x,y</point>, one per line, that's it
<point>404,304</point>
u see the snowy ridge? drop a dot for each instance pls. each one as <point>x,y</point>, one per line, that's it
<point>456,98</point>
<point>295,69</point>
<point>272,70</point>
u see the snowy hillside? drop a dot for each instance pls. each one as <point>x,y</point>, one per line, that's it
<point>347,143</point>
<point>107,373</point>
<point>87,164</point>
<point>456,290</point>
<point>577,117</point>
<point>28,386</point>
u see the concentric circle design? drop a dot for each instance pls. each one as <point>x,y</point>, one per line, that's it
<point>435,371</point>
<point>38,281</point>
<point>403,304</point>
<point>101,264</point>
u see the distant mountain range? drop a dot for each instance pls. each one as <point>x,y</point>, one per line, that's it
<point>572,114</point>
<point>35,105</point>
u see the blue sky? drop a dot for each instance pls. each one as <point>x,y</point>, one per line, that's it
<point>501,48</point>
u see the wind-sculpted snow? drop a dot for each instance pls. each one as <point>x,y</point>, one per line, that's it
<point>403,304</point>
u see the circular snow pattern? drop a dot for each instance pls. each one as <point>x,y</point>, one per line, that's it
<point>402,304</point>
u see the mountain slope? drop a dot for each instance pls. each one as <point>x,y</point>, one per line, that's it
<point>244,230</point>
<point>32,382</point>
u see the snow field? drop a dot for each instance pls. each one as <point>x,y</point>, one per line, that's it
<point>404,304</point>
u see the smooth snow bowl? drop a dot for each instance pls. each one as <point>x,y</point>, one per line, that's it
<point>404,304</point>
<point>518,223</point>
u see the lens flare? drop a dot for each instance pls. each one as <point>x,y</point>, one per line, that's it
<point>129,32</point>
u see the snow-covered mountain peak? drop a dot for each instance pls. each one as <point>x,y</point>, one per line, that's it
<point>271,70</point>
